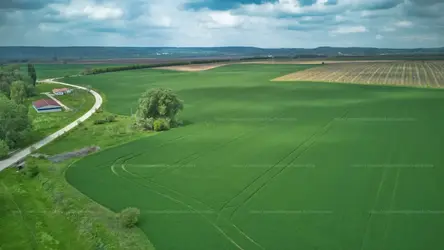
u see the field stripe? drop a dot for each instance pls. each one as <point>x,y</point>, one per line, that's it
<point>316,135</point>
<point>418,77</point>
<point>392,200</point>
<point>388,74</point>
<point>199,154</point>
<point>438,76</point>
<point>378,193</point>
<point>186,205</point>
<point>428,82</point>
<point>403,74</point>
<point>362,70</point>
<point>432,73</point>
<point>374,73</point>
<point>186,196</point>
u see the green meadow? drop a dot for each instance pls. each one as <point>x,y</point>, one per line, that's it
<point>45,71</point>
<point>280,166</point>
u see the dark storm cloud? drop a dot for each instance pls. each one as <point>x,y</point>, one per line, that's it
<point>380,5</point>
<point>27,4</point>
<point>426,9</point>
<point>426,2</point>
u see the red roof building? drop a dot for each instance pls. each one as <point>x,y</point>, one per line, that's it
<point>46,105</point>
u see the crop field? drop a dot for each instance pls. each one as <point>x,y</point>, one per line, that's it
<point>400,73</point>
<point>45,71</point>
<point>278,166</point>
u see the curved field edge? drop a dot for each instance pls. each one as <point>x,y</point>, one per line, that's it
<point>53,213</point>
<point>182,199</point>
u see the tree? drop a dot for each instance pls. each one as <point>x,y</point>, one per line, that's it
<point>15,125</point>
<point>32,73</point>
<point>4,149</point>
<point>161,124</point>
<point>159,103</point>
<point>10,74</point>
<point>18,92</point>
<point>129,217</point>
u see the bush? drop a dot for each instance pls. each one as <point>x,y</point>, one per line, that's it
<point>108,119</point>
<point>145,123</point>
<point>100,121</point>
<point>32,171</point>
<point>129,217</point>
<point>111,118</point>
<point>4,149</point>
<point>161,124</point>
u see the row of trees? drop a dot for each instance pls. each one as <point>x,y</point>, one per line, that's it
<point>94,71</point>
<point>15,88</point>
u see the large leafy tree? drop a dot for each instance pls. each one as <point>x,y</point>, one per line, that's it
<point>14,123</point>
<point>18,92</point>
<point>159,103</point>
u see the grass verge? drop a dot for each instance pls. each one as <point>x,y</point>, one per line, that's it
<point>47,213</point>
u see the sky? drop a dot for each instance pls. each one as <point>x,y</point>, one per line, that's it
<point>207,23</point>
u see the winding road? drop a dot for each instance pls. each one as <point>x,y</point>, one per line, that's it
<point>20,155</point>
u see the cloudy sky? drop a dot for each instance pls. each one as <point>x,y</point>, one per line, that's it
<point>261,23</point>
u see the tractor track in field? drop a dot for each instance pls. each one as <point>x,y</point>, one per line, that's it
<point>198,153</point>
<point>311,141</point>
<point>214,225</point>
<point>179,201</point>
<point>395,189</point>
<point>231,224</point>
<point>378,193</point>
<point>325,128</point>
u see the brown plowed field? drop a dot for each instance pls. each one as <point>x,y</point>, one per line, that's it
<point>299,61</point>
<point>401,73</point>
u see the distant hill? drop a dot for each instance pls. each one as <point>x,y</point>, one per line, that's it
<point>23,54</point>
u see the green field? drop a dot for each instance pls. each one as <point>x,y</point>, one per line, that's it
<point>266,165</point>
<point>45,71</point>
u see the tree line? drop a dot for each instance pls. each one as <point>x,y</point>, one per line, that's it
<point>15,88</point>
<point>95,71</point>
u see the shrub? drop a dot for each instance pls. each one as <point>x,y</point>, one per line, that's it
<point>111,118</point>
<point>32,171</point>
<point>4,149</point>
<point>145,123</point>
<point>129,217</point>
<point>161,124</point>
<point>100,121</point>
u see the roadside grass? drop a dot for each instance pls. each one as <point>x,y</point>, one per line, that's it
<point>48,213</point>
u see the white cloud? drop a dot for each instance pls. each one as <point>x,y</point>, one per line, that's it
<point>404,24</point>
<point>379,37</point>
<point>82,8</point>
<point>223,19</point>
<point>349,29</point>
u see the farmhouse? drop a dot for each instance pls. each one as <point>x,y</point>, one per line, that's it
<point>62,91</point>
<point>46,105</point>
